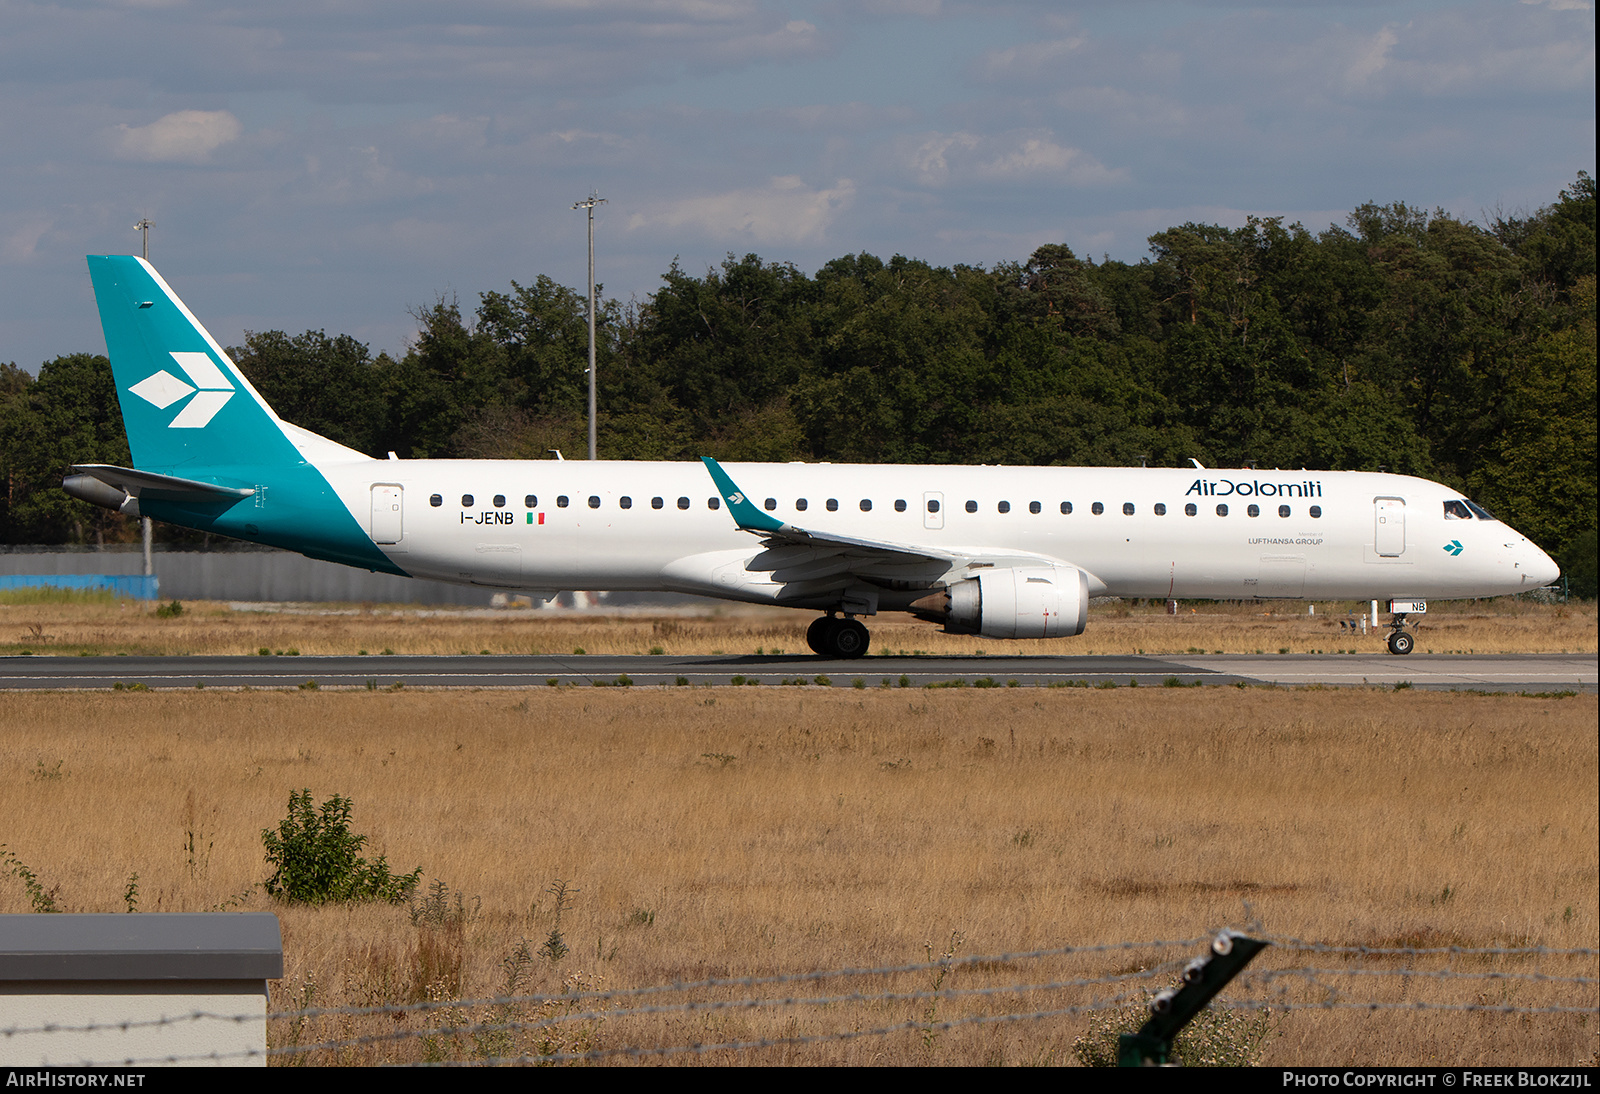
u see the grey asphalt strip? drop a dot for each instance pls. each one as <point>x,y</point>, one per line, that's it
<point>1510,672</point>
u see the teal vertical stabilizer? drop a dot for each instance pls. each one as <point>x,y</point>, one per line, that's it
<point>190,413</point>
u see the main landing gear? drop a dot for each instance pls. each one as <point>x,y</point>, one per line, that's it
<point>842,638</point>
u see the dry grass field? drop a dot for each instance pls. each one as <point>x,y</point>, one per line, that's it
<point>74,625</point>
<point>722,832</point>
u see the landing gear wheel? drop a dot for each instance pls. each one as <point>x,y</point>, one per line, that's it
<point>850,639</point>
<point>819,635</point>
<point>1401,643</point>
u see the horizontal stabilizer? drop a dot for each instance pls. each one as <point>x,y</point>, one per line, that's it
<point>120,488</point>
<point>138,483</point>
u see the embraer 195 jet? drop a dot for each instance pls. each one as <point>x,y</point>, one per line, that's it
<point>1006,552</point>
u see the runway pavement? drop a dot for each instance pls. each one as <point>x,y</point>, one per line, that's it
<point>1463,672</point>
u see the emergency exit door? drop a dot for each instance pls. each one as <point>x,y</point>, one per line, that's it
<point>1390,535</point>
<point>386,513</point>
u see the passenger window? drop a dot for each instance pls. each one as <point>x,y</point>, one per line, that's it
<point>499,501</point>
<point>561,502</point>
<point>625,502</point>
<point>1066,508</point>
<point>1097,509</point>
<point>1190,510</point>
<point>1035,507</point>
<point>1457,510</point>
<point>531,501</point>
<point>800,505</point>
<point>1161,509</point>
<point>900,505</point>
<point>594,501</point>
<point>1254,511</point>
<point>972,507</point>
<point>656,503</point>
<point>1283,510</point>
<point>1222,510</point>
<point>1004,507</point>
<point>683,503</point>
<point>1127,508</point>
<point>833,505</point>
<point>771,504</point>
<point>933,505</point>
<point>466,501</point>
<point>866,505</point>
<point>713,503</point>
<point>436,500</point>
<point>1316,511</point>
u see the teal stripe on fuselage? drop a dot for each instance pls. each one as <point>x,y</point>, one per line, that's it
<point>190,413</point>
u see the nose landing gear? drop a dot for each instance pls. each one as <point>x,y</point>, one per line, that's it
<point>842,638</point>
<point>1399,642</point>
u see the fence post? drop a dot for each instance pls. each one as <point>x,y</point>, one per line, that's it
<point>1174,1008</point>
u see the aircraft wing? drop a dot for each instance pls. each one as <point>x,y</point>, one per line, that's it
<point>777,534</point>
<point>807,563</point>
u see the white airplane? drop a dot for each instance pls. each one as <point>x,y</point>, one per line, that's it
<point>1005,552</point>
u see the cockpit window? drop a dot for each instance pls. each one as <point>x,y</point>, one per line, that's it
<point>1479,511</point>
<point>1457,510</point>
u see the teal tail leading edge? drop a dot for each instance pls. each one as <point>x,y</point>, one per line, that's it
<point>209,453</point>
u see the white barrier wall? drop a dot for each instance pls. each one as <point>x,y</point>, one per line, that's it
<point>136,990</point>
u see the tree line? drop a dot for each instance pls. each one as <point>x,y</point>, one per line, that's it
<point>1403,340</point>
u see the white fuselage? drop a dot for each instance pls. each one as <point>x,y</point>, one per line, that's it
<point>554,525</point>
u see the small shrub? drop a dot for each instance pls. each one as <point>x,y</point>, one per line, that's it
<point>316,858</point>
<point>42,899</point>
<point>1216,1037</point>
<point>170,611</point>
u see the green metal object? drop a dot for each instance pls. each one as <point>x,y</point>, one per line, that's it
<point>1175,1008</point>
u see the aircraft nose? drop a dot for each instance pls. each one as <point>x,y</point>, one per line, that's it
<point>1541,568</point>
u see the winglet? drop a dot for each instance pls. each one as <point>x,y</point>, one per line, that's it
<point>745,513</point>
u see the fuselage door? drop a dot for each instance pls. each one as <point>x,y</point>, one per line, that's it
<point>933,509</point>
<point>387,502</point>
<point>1390,535</point>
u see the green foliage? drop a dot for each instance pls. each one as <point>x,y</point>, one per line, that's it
<point>555,945</point>
<point>170,611</point>
<point>1404,339</point>
<point>316,860</point>
<point>42,899</point>
<point>1580,565</point>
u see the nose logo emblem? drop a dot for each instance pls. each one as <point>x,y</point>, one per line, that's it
<point>210,388</point>
<point>1453,547</point>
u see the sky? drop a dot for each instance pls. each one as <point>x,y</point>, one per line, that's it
<point>341,164</point>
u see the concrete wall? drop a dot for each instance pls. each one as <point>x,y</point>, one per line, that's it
<point>265,574</point>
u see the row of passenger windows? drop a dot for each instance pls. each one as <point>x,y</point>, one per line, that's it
<point>531,501</point>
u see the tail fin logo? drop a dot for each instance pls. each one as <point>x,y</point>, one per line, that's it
<point>210,388</point>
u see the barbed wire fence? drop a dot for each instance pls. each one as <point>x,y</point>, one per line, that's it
<point>909,1009</point>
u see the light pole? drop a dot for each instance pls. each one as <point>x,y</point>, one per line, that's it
<point>145,528</point>
<point>589,203</point>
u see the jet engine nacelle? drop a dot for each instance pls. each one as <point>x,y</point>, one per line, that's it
<point>99,493</point>
<point>1018,602</point>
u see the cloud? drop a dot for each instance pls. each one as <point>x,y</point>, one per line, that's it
<point>942,158</point>
<point>783,211</point>
<point>187,136</point>
<point>22,241</point>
